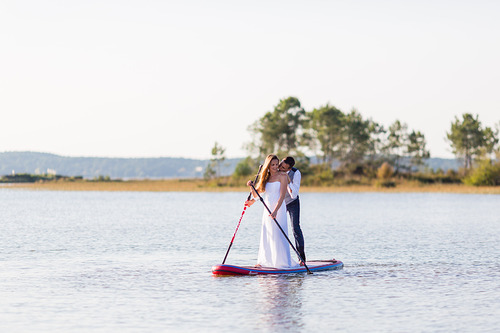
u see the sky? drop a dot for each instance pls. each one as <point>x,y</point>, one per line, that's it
<point>118,78</point>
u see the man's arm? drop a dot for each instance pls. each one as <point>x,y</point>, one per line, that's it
<point>293,187</point>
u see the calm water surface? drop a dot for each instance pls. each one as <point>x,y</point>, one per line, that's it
<point>141,262</point>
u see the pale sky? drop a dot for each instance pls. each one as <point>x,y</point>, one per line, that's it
<point>117,78</point>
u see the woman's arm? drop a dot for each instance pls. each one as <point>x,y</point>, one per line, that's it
<point>283,186</point>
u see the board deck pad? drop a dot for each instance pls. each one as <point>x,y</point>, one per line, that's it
<point>313,265</point>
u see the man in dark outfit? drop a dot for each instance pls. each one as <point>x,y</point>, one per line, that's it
<point>293,203</point>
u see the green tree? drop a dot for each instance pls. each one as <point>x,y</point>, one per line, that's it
<point>245,167</point>
<point>325,129</point>
<point>214,166</point>
<point>356,139</point>
<point>468,139</point>
<point>209,172</point>
<point>496,148</point>
<point>417,149</point>
<point>396,141</point>
<point>376,143</point>
<point>278,131</point>
<point>490,139</point>
<point>487,173</point>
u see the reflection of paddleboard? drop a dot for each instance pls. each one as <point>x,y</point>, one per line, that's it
<point>314,266</point>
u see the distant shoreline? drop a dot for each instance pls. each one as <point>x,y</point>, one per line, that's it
<point>195,185</point>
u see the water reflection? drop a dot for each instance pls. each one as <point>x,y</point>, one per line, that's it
<point>280,302</point>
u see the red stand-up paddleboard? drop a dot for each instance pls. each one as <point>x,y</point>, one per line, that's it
<point>314,266</point>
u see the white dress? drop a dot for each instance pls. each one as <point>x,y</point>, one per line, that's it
<point>274,250</point>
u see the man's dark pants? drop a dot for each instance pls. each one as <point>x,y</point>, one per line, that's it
<point>293,208</point>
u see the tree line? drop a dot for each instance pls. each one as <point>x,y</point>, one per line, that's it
<point>346,143</point>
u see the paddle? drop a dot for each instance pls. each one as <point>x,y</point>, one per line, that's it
<point>284,234</point>
<point>242,213</point>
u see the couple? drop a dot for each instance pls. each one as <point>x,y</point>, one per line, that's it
<point>279,183</point>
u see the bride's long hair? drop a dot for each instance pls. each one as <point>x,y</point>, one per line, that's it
<point>265,173</point>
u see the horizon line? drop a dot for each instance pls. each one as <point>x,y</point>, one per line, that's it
<point>151,157</point>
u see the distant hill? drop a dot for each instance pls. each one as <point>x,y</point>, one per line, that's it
<point>130,168</point>
<point>90,167</point>
<point>443,163</point>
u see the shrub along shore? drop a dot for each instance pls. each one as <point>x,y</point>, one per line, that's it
<point>224,185</point>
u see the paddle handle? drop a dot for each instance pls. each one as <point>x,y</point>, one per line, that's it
<point>256,177</point>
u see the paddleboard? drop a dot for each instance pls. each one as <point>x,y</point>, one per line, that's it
<point>314,266</point>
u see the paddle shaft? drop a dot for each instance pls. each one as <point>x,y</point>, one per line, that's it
<point>242,213</point>
<point>284,234</point>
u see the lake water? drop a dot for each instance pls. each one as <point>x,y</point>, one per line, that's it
<point>141,262</point>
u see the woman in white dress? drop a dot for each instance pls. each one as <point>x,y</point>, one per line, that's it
<point>274,250</point>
